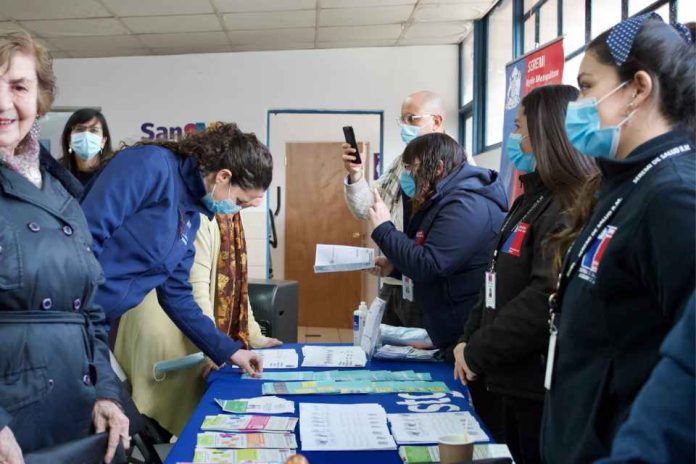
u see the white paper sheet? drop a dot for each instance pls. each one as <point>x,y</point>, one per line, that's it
<point>340,258</point>
<point>429,427</point>
<point>370,335</point>
<point>333,356</point>
<point>340,427</point>
<point>283,358</point>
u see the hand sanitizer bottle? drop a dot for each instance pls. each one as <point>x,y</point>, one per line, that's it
<point>359,316</point>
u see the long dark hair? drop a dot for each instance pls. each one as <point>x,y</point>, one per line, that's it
<point>83,116</point>
<point>562,169</point>
<point>670,60</point>
<point>225,146</point>
<point>430,149</point>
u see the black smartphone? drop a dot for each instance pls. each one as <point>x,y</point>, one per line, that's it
<point>350,139</point>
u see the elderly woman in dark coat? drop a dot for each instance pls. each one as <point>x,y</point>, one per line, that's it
<point>56,384</point>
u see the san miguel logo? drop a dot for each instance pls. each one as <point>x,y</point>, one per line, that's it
<point>151,131</point>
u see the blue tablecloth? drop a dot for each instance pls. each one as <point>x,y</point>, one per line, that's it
<point>227,384</point>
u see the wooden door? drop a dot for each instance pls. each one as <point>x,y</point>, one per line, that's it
<point>316,213</point>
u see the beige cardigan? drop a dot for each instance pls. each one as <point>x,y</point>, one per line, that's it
<point>147,335</point>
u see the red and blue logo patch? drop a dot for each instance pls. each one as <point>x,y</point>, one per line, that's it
<point>513,244</point>
<point>593,257</point>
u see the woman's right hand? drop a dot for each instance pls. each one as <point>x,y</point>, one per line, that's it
<point>459,372</point>
<point>354,170</point>
<point>248,361</point>
<point>10,452</point>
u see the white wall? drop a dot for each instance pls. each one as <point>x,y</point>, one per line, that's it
<point>241,87</point>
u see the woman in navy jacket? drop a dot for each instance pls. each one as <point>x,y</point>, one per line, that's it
<point>631,267</point>
<point>457,211</point>
<point>143,212</point>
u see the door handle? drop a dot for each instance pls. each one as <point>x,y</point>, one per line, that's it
<point>356,234</point>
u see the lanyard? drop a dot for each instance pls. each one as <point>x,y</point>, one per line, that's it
<point>504,237</point>
<point>571,261</point>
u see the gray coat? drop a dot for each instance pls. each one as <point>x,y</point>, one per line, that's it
<point>54,359</point>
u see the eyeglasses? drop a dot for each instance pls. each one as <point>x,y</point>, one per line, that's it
<point>412,119</point>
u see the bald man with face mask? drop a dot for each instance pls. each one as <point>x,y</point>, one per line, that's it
<point>421,113</point>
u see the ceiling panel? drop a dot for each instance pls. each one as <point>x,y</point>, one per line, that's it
<point>192,48</point>
<point>52,9</point>
<point>75,27</point>
<point>158,7</point>
<point>340,34</point>
<point>450,12</point>
<point>277,46</point>
<point>279,36</point>
<point>428,30</point>
<point>357,43</point>
<point>242,6</point>
<point>102,53</point>
<point>361,3</point>
<point>210,39</point>
<point>108,44</point>
<point>364,16</point>
<point>270,20</point>
<point>7,26</point>
<point>168,24</point>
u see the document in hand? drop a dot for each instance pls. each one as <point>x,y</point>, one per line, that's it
<point>339,258</point>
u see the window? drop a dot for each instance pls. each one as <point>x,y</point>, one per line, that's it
<point>570,70</point>
<point>605,13</point>
<point>529,34</point>
<point>634,6</point>
<point>548,21</point>
<point>499,53</point>
<point>469,135</point>
<point>467,69</point>
<point>686,11</point>
<point>573,24</point>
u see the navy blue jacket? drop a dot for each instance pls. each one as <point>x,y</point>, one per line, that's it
<point>623,297</point>
<point>660,428</point>
<point>142,211</point>
<point>458,227</point>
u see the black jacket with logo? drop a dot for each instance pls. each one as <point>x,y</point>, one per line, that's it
<point>508,343</point>
<point>623,299</point>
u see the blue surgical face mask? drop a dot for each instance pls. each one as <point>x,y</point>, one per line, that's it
<point>220,206</point>
<point>409,133</point>
<point>86,144</point>
<point>583,126</point>
<point>525,162</point>
<point>408,184</point>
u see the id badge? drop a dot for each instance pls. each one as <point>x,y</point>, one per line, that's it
<point>490,290</point>
<point>550,358</point>
<point>406,288</point>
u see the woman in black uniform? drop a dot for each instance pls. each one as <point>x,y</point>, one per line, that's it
<point>505,339</point>
<point>632,259</point>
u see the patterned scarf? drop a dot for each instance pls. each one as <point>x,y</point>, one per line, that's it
<point>232,289</point>
<point>390,190</point>
<point>25,159</point>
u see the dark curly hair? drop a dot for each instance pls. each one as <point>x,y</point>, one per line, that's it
<point>225,146</point>
<point>430,149</point>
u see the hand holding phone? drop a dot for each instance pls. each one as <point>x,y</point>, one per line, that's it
<point>350,140</point>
